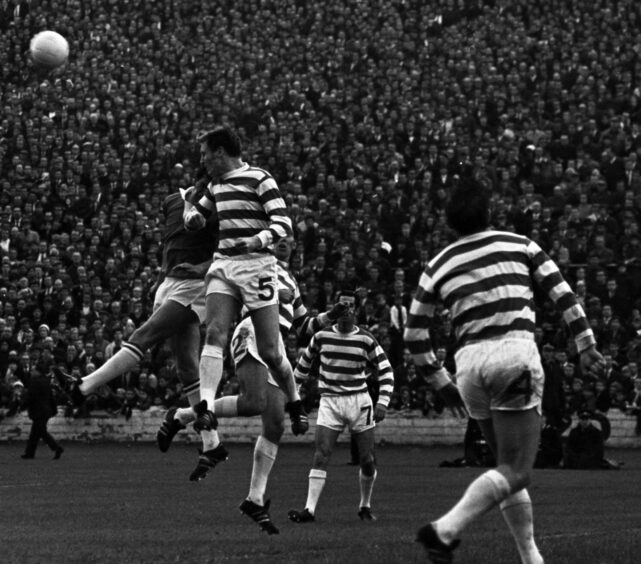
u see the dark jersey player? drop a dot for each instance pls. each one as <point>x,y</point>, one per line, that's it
<point>179,306</point>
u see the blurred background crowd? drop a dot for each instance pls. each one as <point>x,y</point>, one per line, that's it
<point>366,112</point>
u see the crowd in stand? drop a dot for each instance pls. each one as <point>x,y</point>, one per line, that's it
<point>366,112</point>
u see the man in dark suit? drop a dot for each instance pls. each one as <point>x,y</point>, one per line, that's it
<point>41,406</point>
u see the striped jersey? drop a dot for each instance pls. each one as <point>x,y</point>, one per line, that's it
<point>294,313</point>
<point>487,282</point>
<point>180,245</point>
<point>343,359</point>
<point>248,203</point>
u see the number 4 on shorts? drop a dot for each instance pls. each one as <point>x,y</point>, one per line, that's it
<point>521,386</point>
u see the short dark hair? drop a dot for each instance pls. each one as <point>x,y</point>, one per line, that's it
<point>347,293</point>
<point>467,209</point>
<point>222,136</point>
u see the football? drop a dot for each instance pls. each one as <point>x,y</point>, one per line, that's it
<point>49,49</point>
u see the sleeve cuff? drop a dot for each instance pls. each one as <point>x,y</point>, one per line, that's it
<point>584,342</point>
<point>323,319</point>
<point>265,238</point>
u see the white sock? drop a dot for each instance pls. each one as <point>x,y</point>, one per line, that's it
<point>186,414</point>
<point>488,490</point>
<point>211,373</point>
<point>227,406</point>
<point>210,440</point>
<point>366,486</point>
<point>264,456</point>
<point>315,488</point>
<point>126,359</point>
<point>517,512</point>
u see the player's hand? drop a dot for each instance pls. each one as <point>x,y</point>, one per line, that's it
<point>298,417</point>
<point>194,220</point>
<point>337,311</point>
<point>592,362</point>
<point>380,411</point>
<point>248,244</point>
<point>285,296</point>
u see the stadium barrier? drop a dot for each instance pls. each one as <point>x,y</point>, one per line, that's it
<point>401,429</point>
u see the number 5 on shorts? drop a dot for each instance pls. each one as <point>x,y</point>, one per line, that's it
<point>266,285</point>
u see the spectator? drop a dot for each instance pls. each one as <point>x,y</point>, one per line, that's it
<point>584,448</point>
<point>41,406</point>
<point>553,402</point>
<point>634,406</point>
<point>85,179</point>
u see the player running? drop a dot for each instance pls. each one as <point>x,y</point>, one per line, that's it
<point>486,279</point>
<point>345,350</point>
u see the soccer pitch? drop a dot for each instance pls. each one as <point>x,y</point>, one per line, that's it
<point>130,503</point>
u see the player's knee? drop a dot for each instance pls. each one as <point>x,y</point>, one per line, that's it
<point>516,478</point>
<point>368,464</point>
<point>273,429</point>
<point>269,353</point>
<point>214,335</point>
<point>321,459</point>
<point>521,480</point>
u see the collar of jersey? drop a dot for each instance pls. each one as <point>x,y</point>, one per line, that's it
<point>241,168</point>
<point>352,332</point>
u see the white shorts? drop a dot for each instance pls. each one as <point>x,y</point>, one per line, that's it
<point>243,344</point>
<point>252,281</point>
<point>354,411</point>
<point>189,292</point>
<point>499,375</point>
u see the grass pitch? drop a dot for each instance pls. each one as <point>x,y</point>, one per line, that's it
<point>130,503</point>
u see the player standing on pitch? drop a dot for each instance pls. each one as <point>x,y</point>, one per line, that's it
<point>486,278</point>
<point>252,215</point>
<point>345,350</point>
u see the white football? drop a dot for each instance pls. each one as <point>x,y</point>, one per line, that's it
<point>49,49</point>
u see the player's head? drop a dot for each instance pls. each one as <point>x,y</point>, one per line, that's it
<point>348,298</point>
<point>468,208</point>
<point>217,147</point>
<point>283,248</point>
<point>222,137</point>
